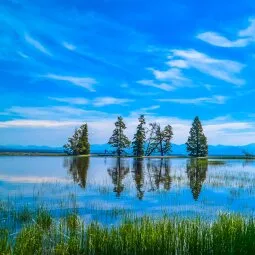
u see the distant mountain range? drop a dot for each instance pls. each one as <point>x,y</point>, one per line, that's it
<point>100,148</point>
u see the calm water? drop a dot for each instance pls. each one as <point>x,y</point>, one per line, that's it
<point>102,187</point>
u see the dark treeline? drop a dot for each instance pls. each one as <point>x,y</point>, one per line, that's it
<point>148,140</point>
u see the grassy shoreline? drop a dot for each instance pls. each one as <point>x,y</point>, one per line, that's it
<point>36,154</point>
<point>229,234</point>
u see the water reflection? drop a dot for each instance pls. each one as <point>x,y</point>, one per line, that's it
<point>148,175</point>
<point>196,172</point>
<point>230,184</point>
<point>159,174</point>
<point>78,168</point>
<point>118,173</point>
<point>138,176</point>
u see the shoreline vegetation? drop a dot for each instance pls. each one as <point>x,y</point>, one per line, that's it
<point>102,155</point>
<point>41,233</point>
<point>52,154</point>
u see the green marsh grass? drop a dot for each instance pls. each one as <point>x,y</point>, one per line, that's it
<point>229,234</point>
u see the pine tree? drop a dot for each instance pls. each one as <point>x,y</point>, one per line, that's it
<point>118,139</point>
<point>83,144</point>
<point>78,144</point>
<point>197,141</point>
<point>139,138</point>
<point>71,147</point>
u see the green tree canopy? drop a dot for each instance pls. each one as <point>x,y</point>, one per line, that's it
<point>83,144</point>
<point>197,141</point>
<point>139,138</point>
<point>159,139</point>
<point>118,139</point>
<point>78,144</point>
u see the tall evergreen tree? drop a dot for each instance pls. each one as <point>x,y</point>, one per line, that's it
<point>83,144</point>
<point>197,141</point>
<point>118,139</point>
<point>78,144</point>
<point>139,138</point>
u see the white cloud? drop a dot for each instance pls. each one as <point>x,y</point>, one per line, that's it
<point>69,46</point>
<point>23,55</point>
<point>243,38</point>
<point>208,87</point>
<point>98,102</point>
<point>53,112</point>
<point>151,83</point>
<point>221,41</point>
<point>145,111</point>
<point>37,123</point>
<point>36,44</point>
<point>249,32</point>
<point>84,82</point>
<point>173,75</point>
<point>218,131</point>
<point>222,69</point>
<point>71,100</point>
<point>103,101</point>
<point>177,63</point>
<point>153,107</point>
<point>217,99</point>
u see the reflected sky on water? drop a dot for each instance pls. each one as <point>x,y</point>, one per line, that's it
<point>183,187</point>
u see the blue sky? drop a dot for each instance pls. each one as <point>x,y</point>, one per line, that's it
<point>67,62</point>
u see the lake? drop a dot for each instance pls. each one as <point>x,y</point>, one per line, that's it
<point>104,189</point>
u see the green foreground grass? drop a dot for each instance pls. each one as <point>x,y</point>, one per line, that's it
<point>229,234</point>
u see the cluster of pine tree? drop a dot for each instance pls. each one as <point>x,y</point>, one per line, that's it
<point>147,140</point>
<point>157,139</point>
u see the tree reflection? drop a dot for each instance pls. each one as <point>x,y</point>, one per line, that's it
<point>196,172</point>
<point>118,173</point>
<point>78,168</point>
<point>138,176</point>
<point>159,174</point>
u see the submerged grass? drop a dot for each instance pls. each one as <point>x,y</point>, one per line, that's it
<point>229,234</point>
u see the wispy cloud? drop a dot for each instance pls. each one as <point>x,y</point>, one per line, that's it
<point>222,69</point>
<point>52,112</point>
<point>217,99</point>
<point>221,41</point>
<point>36,44</point>
<point>37,123</point>
<point>69,46</point>
<point>173,75</point>
<point>219,130</point>
<point>151,83</point>
<point>103,101</point>
<point>249,32</point>
<point>138,93</point>
<point>85,82</point>
<point>148,111</point>
<point>23,55</point>
<point>243,37</point>
<point>71,100</point>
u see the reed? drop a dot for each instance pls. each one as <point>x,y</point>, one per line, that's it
<point>229,234</point>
